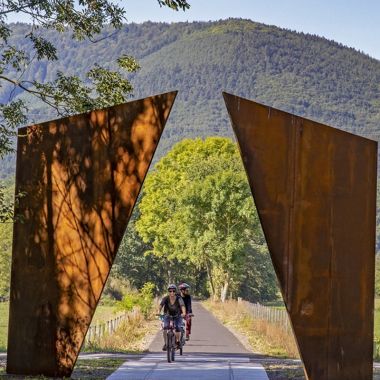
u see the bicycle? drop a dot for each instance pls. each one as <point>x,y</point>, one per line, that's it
<point>182,339</point>
<point>170,339</point>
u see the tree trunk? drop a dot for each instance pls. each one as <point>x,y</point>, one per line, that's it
<point>223,293</point>
<point>210,279</point>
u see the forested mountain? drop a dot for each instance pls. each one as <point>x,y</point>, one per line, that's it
<point>296,72</point>
<point>303,74</point>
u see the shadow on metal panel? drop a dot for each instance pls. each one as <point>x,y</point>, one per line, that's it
<point>81,175</point>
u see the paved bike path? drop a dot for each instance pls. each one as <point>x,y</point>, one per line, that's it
<point>213,352</point>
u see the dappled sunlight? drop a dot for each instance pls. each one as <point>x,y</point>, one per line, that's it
<point>82,176</point>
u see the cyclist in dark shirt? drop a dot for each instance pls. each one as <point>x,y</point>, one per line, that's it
<point>173,306</point>
<point>185,288</point>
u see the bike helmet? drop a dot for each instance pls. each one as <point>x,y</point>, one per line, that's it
<point>184,286</point>
<point>172,286</point>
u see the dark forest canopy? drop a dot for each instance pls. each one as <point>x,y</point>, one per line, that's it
<point>300,73</point>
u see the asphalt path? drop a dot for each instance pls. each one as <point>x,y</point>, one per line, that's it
<point>208,336</point>
<point>213,352</point>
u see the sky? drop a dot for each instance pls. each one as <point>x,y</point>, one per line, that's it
<point>354,23</point>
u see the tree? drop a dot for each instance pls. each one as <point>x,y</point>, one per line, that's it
<point>133,264</point>
<point>100,86</point>
<point>6,229</point>
<point>197,207</point>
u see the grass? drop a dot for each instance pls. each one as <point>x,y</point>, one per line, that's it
<point>261,337</point>
<point>95,369</point>
<point>85,369</point>
<point>284,371</point>
<point>4,314</point>
<point>293,371</point>
<point>377,319</point>
<point>134,335</point>
<point>102,313</point>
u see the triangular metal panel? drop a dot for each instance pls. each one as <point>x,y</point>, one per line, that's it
<point>315,192</point>
<point>81,176</point>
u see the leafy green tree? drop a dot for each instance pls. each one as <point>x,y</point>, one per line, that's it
<point>66,94</point>
<point>142,299</point>
<point>6,229</point>
<point>377,276</point>
<point>133,264</point>
<point>197,207</point>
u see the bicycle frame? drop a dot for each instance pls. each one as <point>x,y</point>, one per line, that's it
<point>170,338</point>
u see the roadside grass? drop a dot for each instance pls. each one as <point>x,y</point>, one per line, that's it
<point>85,369</point>
<point>284,371</point>
<point>102,313</point>
<point>261,336</point>
<point>377,319</point>
<point>133,335</point>
<point>4,314</point>
<point>95,369</point>
<point>294,371</point>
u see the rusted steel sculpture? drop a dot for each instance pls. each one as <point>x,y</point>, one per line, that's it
<point>82,176</point>
<point>315,192</point>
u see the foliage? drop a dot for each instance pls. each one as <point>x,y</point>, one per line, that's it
<point>133,264</point>
<point>6,234</point>
<point>142,299</point>
<point>197,208</point>
<point>115,288</point>
<point>6,207</point>
<point>4,317</point>
<point>84,22</point>
<point>377,276</point>
<point>300,73</point>
<point>64,93</point>
<point>5,257</point>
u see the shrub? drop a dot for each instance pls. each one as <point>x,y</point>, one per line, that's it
<point>142,299</point>
<point>115,288</point>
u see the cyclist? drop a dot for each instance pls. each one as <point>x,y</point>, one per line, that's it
<point>173,307</point>
<point>185,288</point>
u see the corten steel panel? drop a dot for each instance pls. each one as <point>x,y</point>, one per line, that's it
<point>315,191</point>
<point>81,175</point>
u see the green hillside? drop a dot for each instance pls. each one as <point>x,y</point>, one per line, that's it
<point>296,72</point>
<point>299,73</point>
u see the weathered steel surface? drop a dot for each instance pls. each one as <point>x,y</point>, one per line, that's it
<point>81,175</point>
<point>315,191</point>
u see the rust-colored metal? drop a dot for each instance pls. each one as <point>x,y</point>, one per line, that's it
<point>81,175</point>
<point>315,192</point>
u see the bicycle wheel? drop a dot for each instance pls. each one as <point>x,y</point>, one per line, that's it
<point>169,345</point>
<point>173,347</point>
<point>181,344</point>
